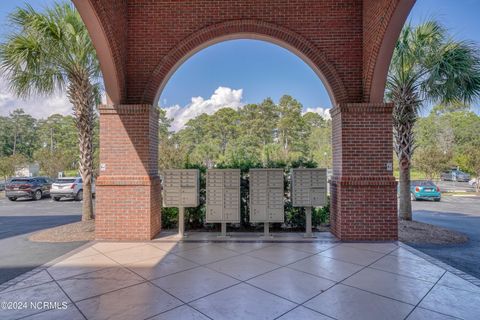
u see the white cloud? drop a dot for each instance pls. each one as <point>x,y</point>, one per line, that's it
<point>324,112</point>
<point>38,106</point>
<point>222,97</point>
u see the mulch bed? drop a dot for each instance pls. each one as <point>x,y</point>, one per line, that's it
<point>424,233</point>
<point>77,231</point>
<point>408,232</point>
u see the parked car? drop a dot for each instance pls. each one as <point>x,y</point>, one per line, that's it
<point>424,190</point>
<point>455,175</point>
<point>2,185</point>
<point>69,187</point>
<point>34,188</point>
<point>474,182</point>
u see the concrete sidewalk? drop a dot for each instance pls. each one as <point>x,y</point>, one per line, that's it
<point>288,278</point>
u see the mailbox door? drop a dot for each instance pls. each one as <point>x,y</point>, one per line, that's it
<point>275,205</point>
<point>214,205</point>
<point>231,210</point>
<point>318,196</point>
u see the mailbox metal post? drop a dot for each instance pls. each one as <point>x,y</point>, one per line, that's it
<point>181,222</point>
<point>266,230</point>
<point>308,223</point>
<point>223,232</point>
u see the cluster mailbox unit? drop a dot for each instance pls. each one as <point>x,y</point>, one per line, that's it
<point>309,189</point>
<point>266,196</point>
<point>223,197</point>
<point>181,190</point>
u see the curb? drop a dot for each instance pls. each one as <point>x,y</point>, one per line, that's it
<point>465,276</point>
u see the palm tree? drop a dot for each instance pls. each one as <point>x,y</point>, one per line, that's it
<point>427,66</point>
<point>52,50</point>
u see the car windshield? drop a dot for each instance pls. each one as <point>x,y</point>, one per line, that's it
<point>423,183</point>
<point>21,180</point>
<point>65,181</point>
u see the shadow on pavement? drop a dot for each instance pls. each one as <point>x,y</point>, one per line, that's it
<point>11,226</point>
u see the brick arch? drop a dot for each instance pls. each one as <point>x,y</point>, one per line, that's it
<point>246,29</point>
<point>383,22</point>
<point>97,19</point>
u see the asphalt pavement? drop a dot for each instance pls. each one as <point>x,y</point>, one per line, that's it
<point>459,213</point>
<point>18,220</point>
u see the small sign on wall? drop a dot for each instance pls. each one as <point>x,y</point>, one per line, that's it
<point>103,167</point>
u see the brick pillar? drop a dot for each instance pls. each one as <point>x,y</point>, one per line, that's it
<point>128,189</point>
<point>363,189</point>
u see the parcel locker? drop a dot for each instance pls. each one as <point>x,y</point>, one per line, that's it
<point>309,187</point>
<point>181,188</point>
<point>266,195</point>
<point>223,196</point>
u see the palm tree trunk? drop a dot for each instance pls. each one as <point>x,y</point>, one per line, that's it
<point>405,205</point>
<point>405,111</point>
<point>81,95</point>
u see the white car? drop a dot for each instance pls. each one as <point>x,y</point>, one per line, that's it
<point>68,188</point>
<point>473,182</point>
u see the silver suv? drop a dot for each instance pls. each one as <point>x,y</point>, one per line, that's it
<point>68,188</point>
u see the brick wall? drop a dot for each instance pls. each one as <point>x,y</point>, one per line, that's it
<point>364,201</point>
<point>128,189</point>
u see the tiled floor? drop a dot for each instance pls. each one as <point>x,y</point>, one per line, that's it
<point>246,279</point>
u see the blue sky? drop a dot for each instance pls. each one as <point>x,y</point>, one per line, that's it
<point>246,71</point>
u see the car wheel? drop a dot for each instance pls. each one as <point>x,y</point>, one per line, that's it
<point>56,199</point>
<point>436,200</point>
<point>37,195</point>
<point>79,196</point>
<point>12,199</point>
<point>412,197</point>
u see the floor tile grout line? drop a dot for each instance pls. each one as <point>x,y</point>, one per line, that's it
<point>65,293</point>
<point>301,306</point>
<point>61,279</point>
<point>426,294</point>
<point>22,277</point>
<point>26,287</point>
<point>340,282</point>
<point>346,244</point>
<point>185,304</point>
<point>403,275</point>
<point>461,274</point>
<point>140,244</point>
<point>378,294</point>
<point>245,281</point>
<point>155,285</point>
<point>444,314</point>
<point>79,274</point>
<point>111,291</point>
<point>285,246</point>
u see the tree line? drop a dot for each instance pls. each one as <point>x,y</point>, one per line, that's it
<point>52,142</point>
<point>447,138</point>
<point>256,135</point>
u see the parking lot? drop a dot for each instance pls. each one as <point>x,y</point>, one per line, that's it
<point>18,220</point>
<point>459,213</point>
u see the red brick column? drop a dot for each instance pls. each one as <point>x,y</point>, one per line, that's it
<point>363,189</point>
<point>128,189</point>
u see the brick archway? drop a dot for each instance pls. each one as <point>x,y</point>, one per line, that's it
<point>348,43</point>
<point>246,29</point>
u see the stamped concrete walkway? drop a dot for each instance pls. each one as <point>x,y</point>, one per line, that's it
<point>285,277</point>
